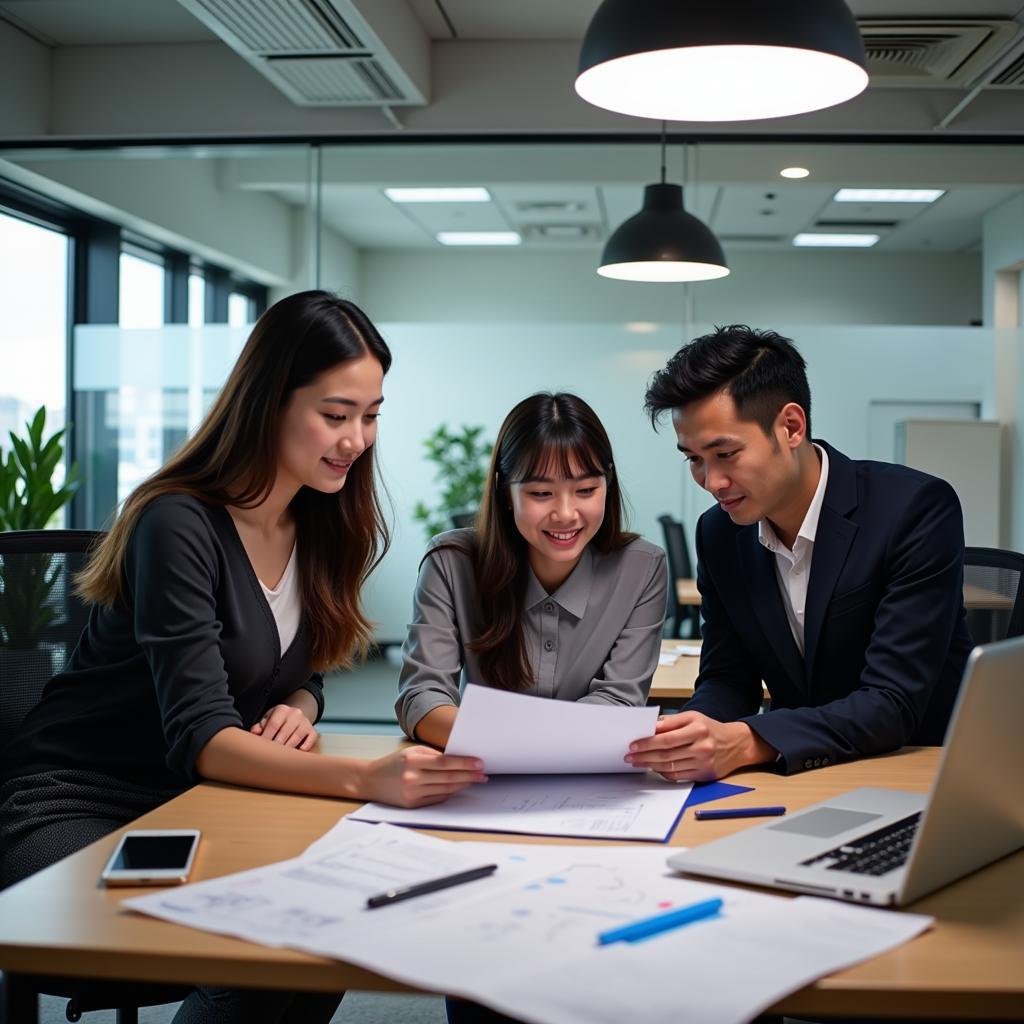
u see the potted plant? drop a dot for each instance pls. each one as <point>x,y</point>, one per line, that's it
<point>461,459</point>
<point>28,501</point>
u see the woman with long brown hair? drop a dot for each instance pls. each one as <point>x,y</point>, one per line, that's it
<point>548,594</point>
<point>229,582</point>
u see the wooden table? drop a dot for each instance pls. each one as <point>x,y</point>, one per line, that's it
<point>674,682</point>
<point>687,592</point>
<point>975,597</point>
<point>982,599</point>
<point>62,921</point>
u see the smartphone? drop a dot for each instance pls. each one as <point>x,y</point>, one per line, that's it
<point>152,857</point>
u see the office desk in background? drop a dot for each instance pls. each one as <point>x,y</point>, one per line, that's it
<point>975,597</point>
<point>62,921</point>
<point>673,684</point>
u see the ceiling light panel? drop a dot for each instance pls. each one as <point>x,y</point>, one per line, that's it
<point>438,195</point>
<point>888,195</point>
<point>836,241</point>
<point>479,237</point>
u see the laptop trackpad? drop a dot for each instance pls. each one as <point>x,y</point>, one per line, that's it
<point>824,822</point>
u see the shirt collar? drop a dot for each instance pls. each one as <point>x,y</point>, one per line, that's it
<point>573,594</point>
<point>809,527</point>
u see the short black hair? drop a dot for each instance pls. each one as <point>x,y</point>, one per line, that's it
<point>761,370</point>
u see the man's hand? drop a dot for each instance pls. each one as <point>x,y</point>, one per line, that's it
<point>288,726</point>
<point>690,747</point>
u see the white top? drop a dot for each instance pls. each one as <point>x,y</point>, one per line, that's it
<point>793,568</point>
<point>286,602</point>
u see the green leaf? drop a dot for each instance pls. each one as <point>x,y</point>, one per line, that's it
<point>28,501</point>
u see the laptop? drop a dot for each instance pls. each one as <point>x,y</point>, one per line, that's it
<point>887,847</point>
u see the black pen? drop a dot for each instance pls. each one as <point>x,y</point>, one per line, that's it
<point>737,812</point>
<point>406,892</point>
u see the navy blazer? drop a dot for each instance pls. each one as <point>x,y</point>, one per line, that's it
<point>885,636</point>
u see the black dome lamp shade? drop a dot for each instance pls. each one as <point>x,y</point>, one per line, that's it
<point>721,60</point>
<point>663,242</point>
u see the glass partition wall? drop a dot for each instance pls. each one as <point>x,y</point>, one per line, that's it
<point>135,301</point>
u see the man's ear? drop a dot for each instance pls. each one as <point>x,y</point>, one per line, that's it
<point>792,421</point>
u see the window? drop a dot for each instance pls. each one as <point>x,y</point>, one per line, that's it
<point>33,326</point>
<point>196,300</point>
<point>141,294</point>
<point>240,310</point>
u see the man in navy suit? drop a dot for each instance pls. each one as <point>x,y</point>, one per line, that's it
<point>837,582</point>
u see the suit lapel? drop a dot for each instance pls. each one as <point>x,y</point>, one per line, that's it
<point>832,545</point>
<point>758,565</point>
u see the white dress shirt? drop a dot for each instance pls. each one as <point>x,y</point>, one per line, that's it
<point>793,567</point>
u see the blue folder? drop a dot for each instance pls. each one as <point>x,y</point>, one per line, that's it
<point>704,792</point>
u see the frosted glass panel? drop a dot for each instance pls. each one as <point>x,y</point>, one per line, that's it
<point>460,373</point>
<point>150,389</point>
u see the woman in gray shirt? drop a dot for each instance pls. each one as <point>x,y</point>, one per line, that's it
<point>547,595</point>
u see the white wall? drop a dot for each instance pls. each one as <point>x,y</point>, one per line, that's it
<point>474,373</point>
<point>1003,254</point>
<point>24,84</point>
<point>765,288</point>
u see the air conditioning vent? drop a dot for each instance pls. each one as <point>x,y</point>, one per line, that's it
<point>933,51</point>
<point>560,232</point>
<point>327,81</point>
<point>856,225</point>
<point>550,206</point>
<point>286,26</point>
<point>1012,76</point>
<point>317,52</point>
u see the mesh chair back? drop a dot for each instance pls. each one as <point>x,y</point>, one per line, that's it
<point>679,567</point>
<point>993,593</point>
<point>40,617</point>
<point>675,547</point>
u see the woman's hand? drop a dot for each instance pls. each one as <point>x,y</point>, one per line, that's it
<point>288,726</point>
<point>418,776</point>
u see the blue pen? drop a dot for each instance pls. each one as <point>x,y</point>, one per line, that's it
<point>661,922</point>
<point>712,813</point>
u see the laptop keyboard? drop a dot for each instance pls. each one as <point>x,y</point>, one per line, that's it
<point>873,854</point>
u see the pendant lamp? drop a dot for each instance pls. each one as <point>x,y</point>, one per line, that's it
<point>721,60</point>
<point>663,242</point>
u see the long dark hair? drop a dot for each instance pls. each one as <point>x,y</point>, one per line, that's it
<point>232,460</point>
<point>544,435</point>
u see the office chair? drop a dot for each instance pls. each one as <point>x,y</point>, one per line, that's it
<point>461,520</point>
<point>41,620</point>
<point>994,593</point>
<point>679,567</point>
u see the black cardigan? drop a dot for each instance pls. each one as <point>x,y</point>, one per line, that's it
<point>193,649</point>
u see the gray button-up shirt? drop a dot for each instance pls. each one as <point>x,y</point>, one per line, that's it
<point>595,639</point>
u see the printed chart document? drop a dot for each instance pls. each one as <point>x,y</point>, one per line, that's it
<point>524,940</point>
<point>582,806</point>
<point>520,733</point>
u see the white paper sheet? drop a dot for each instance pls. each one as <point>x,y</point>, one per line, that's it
<point>667,659</point>
<point>581,806</point>
<point>523,940</point>
<point>689,648</point>
<point>520,733</point>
